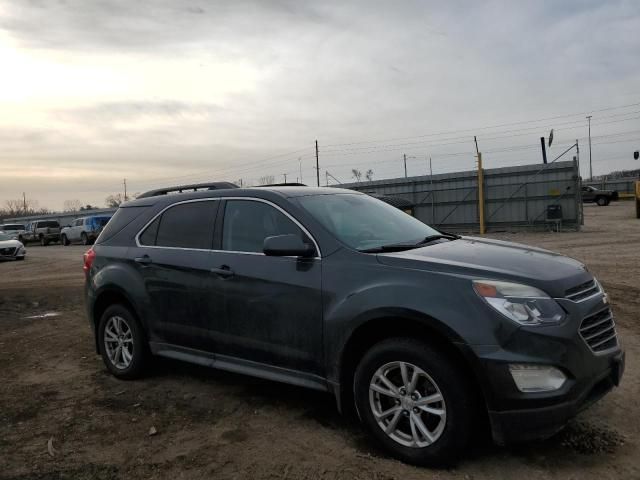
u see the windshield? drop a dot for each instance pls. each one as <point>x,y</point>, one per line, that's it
<point>4,237</point>
<point>363,222</point>
<point>101,221</point>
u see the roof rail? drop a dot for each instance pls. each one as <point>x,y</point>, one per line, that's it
<point>291,184</point>
<point>188,188</point>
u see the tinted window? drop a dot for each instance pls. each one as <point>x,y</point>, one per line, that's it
<point>187,225</point>
<point>148,237</point>
<point>48,224</point>
<point>9,228</point>
<point>247,223</point>
<point>123,217</point>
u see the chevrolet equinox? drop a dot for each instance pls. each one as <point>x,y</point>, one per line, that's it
<point>416,331</point>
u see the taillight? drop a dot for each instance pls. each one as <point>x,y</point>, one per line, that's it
<point>89,257</point>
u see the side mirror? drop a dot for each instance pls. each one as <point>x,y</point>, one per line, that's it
<point>287,246</point>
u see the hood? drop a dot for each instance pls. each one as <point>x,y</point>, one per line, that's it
<point>495,259</point>
<point>10,244</point>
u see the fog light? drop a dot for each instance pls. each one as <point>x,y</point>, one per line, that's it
<point>537,378</point>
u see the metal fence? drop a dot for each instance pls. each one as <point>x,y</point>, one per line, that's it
<point>515,197</point>
<point>624,186</point>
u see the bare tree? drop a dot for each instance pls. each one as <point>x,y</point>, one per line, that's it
<point>14,208</point>
<point>266,180</point>
<point>357,174</point>
<point>369,175</point>
<point>72,205</point>
<point>113,201</point>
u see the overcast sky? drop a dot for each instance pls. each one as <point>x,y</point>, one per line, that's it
<point>170,92</point>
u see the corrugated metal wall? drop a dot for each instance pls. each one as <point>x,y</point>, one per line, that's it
<point>620,185</point>
<point>515,197</point>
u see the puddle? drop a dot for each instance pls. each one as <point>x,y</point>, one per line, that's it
<point>43,315</point>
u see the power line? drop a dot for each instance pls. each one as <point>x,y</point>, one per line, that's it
<point>488,127</point>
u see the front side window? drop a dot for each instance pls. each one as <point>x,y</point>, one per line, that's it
<point>186,225</point>
<point>247,223</point>
<point>363,222</point>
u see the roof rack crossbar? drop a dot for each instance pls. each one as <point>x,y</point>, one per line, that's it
<point>190,188</point>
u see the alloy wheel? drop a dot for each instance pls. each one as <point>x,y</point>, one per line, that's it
<point>118,342</point>
<point>407,404</point>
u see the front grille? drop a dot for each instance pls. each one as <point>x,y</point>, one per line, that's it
<point>582,291</point>
<point>8,251</point>
<point>599,331</point>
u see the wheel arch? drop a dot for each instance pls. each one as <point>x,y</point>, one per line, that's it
<point>405,324</point>
<point>107,296</point>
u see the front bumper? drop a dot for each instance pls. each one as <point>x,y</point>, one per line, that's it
<point>520,416</point>
<point>511,426</point>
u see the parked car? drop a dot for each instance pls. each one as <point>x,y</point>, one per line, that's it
<point>421,333</point>
<point>14,230</point>
<point>10,248</point>
<point>85,230</point>
<point>43,231</point>
<point>601,197</point>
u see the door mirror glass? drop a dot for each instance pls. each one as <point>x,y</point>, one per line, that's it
<point>287,246</point>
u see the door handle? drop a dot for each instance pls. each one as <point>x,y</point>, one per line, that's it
<point>224,271</point>
<point>143,260</point>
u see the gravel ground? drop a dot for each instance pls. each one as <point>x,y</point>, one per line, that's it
<point>63,417</point>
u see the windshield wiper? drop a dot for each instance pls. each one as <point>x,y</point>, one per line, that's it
<point>397,247</point>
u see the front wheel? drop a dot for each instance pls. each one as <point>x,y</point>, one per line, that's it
<point>414,401</point>
<point>122,343</point>
<point>64,240</point>
<point>602,201</point>
<point>43,241</point>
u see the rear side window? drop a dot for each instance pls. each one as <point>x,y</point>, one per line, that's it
<point>247,223</point>
<point>48,224</point>
<point>123,217</point>
<point>187,225</point>
<point>148,237</point>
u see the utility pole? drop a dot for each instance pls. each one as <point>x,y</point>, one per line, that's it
<point>317,165</point>
<point>544,150</point>
<point>125,189</point>
<point>590,164</point>
<point>405,165</point>
<point>326,178</point>
<point>285,177</point>
<point>481,188</point>
<point>24,202</point>
<point>300,165</point>
<point>433,208</point>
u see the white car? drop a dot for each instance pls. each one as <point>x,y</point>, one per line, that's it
<point>14,230</point>
<point>11,248</point>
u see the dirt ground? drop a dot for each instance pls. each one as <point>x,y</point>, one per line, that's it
<point>212,424</point>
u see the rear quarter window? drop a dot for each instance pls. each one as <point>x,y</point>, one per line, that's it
<point>123,217</point>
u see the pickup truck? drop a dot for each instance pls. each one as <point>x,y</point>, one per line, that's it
<point>601,197</point>
<point>43,231</point>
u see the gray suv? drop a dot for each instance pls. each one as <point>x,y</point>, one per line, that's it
<point>422,334</point>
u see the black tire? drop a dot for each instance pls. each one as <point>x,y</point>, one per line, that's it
<point>452,384</point>
<point>140,354</point>
<point>85,239</point>
<point>64,240</point>
<point>602,201</point>
<point>43,241</point>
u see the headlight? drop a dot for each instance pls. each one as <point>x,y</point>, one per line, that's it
<point>521,303</point>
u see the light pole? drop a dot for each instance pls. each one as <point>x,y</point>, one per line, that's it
<point>590,163</point>
<point>405,165</point>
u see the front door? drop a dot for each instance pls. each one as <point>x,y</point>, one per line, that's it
<point>273,305</point>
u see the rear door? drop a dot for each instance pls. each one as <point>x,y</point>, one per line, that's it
<point>273,311</point>
<point>173,256</point>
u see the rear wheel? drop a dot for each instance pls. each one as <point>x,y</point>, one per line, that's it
<point>122,343</point>
<point>64,240</point>
<point>85,239</point>
<point>602,201</point>
<point>414,401</point>
<point>43,241</point>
